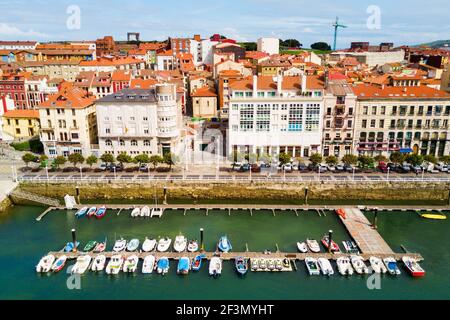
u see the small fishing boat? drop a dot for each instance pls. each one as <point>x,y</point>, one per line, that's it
<point>133,245</point>
<point>302,247</point>
<point>100,247</point>
<point>433,216</point>
<point>262,264</point>
<point>70,246</point>
<point>59,264</point>
<point>270,265</point>
<point>192,246</point>
<point>114,265</point>
<point>136,213</point>
<point>241,265</point>
<point>344,266</point>
<point>145,212</point>
<point>45,264</point>
<point>101,212</point>
<point>149,245</point>
<point>81,213</point>
<point>325,266</point>
<point>334,246</point>
<point>82,264</point>
<point>359,265</point>
<point>391,265</point>
<point>90,246</point>
<point>91,212</point>
<point>130,265</point>
<point>163,266</point>
<point>377,265</point>
<point>254,264</point>
<point>279,265</point>
<point>313,245</point>
<point>197,262</point>
<point>164,244</point>
<point>224,244</point>
<point>215,267</point>
<point>413,267</point>
<point>184,265</point>
<point>148,265</point>
<point>180,243</point>
<point>341,212</point>
<point>312,266</point>
<point>120,245</point>
<point>350,247</point>
<point>286,263</point>
<point>99,263</point>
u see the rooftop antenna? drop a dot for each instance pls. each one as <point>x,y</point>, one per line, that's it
<point>336,26</point>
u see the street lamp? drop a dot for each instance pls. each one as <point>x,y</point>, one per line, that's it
<point>81,173</point>
<point>423,174</point>
<point>115,177</point>
<point>148,171</point>
<point>388,171</point>
<point>46,171</point>
<point>354,170</point>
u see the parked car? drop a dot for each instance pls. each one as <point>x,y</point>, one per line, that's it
<point>236,166</point>
<point>143,167</point>
<point>255,168</point>
<point>322,168</point>
<point>116,168</point>
<point>417,169</point>
<point>287,167</point>
<point>302,167</point>
<point>349,168</point>
<point>340,168</point>
<point>245,167</point>
<point>405,168</point>
<point>442,167</point>
<point>104,167</point>
<point>431,168</point>
<point>383,167</point>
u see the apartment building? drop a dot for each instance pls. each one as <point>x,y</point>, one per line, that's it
<point>68,122</point>
<point>269,45</point>
<point>139,121</point>
<point>20,125</point>
<point>401,118</point>
<point>274,115</point>
<point>54,69</point>
<point>111,64</point>
<point>18,45</point>
<point>204,103</point>
<point>445,80</point>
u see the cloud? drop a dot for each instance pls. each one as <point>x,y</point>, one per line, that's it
<point>12,31</point>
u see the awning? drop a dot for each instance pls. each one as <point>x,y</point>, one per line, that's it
<point>406,150</point>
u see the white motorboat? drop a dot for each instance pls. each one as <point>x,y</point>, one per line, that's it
<point>130,265</point>
<point>302,247</point>
<point>145,212</point>
<point>312,266</point>
<point>45,264</point>
<point>391,265</point>
<point>254,264</point>
<point>313,245</point>
<point>377,265</point>
<point>114,265</point>
<point>325,267</point>
<point>193,246</point>
<point>413,267</point>
<point>180,243</point>
<point>344,266</point>
<point>82,264</point>
<point>59,264</point>
<point>120,245</point>
<point>149,264</point>
<point>359,265</point>
<point>215,267</point>
<point>99,263</point>
<point>164,244</point>
<point>163,265</point>
<point>157,212</point>
<point>136,213</point>
<point>149,245</point>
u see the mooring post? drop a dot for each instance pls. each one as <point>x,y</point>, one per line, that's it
<point>202,244</point>
<point>78,194</point>
<point>74,239</point>
<point>375,219</point>
<point>306,196</point>
<point>330,236</point>
<point>165,195</point>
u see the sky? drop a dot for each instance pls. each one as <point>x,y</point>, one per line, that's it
<point>402,22</point>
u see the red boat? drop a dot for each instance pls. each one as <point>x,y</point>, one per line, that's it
<point>334,245</point>
<point>413,267</point>
<point>341,212</point>
<point>101,212</point>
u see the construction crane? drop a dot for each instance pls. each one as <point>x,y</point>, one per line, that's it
<point>336,26</point>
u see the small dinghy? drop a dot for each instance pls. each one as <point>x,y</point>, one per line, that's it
<point>91,212</point>
<point>391,265</point>
<point>180,243</point>
<point>279,265</point>
<point>359,265</point>
<point>413,267</point>
<point>99,263</point>
<point>302,247</point>
<point>241,265</point>
<point>81,213</point>
<point>262,264</point>
<point>70,247</point>
<point>149,245</point>
<point>377,265</point>
<point>59,264</point>
<point>334,246</point>
<point>313,245</point>
<point>344,266</point>
<point>45,264</point>
<point>325,267</point>
<point>286,263</point>
<point>130,265</point>
<point>120,245</point>
<point>82,264</point>
<point>312,266</point>
<point>215,267</point>
<point>101,213</point>
<point>100,247</point>
<point>164,244</point>
<point>254,264</point>
<point>136,213</point>
<point>350,247</point>
<point>163,266</point>
<point>114,265</point>
<point>90,246</point>
<point>145,212</point>
<point>183,266</point>
<point>270,265</point>
<point>148,265</point>
<point>192,246</point>
<point>224,244</point>
<point>133,245</point>
<point>197,262</point>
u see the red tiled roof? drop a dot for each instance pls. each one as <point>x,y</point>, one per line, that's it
<point>204,92</point>
<point>367,91</point>
<point>70,97</point>
<point>22,114</point>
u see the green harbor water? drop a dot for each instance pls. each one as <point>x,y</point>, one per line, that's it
<point>23,241</point>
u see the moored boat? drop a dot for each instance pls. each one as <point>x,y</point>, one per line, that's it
<point>164,244</point>
<point>136,213</point>
<point>180,243</point>
<point>391,265</point>
<point>312,266</point>
<point>279,264</point>
<point>82,264</point>
<point>224,244</point>
<point>350,247</point>
<point>101,212</point>
<point>100,247</point>
<point>192,246</point>
<point>59,264</point>
<point>359,265</point>
<point>133,245</point>
<point>99,263</point>
<point>120,245</point>
<point>197,262</point>
<point>413,267</point>
<point>377,265</point>
<point>254,264</point>
<point>130,265</point>
<point>184,265</point>
<point>241,265</point>
<point>302,247</point>
<point>334,246</point>
<point>45,264</point>
<point>163,265</point>
<point>325,266</point>
<point>91,212</point>
<point>149,264</point>
<point>215,267</point>
<point>149,245</point>
<point>90,246</point>
<point>114,265</point>
<point>81,213</point>
<point>313,245</point>
<point>70,247</point>
<point>145,212</point>
<point>433,216</point>
<point>344,266</point>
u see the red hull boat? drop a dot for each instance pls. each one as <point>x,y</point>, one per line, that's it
<point>334,245</point>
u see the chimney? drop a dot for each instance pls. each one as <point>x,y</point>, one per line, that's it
<point>327,78</point>
<point>279,83</point>
<point>197,38</point>
<point>255,85</point>
<point>303,83</point>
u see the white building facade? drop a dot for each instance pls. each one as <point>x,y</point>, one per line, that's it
<point>269,45</point>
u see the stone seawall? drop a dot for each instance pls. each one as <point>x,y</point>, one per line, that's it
<point>5,204</point>
<point>246,191</point>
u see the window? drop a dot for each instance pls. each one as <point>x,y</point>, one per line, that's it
<point>420,112</point>
<point>349,124</point>
<point>107,130</point>
<point>108,143</point>
<point>122,143</point>
<point>373,123</point>
<point>145,119</point>
<point>381,124</point>
<point>411,111</point>
<point>146,143</point>
<point>75,136</point>
<point>365,110</point>
<point>134,143</point>
<point>17,131</point>
<point>383,110</point>
<point>374,110</point>
<point>364,124</point>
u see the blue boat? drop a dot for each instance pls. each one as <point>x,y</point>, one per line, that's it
<point>197,262</point>
<point>163,266</point>
<point>241,265</point>
<point>224,244</point>
<point>101,212</point>
<point>69,246</point>
<point>82,212</point>
<point>183,266</point>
